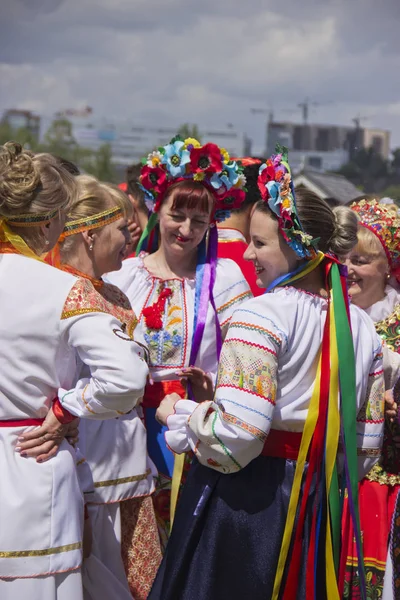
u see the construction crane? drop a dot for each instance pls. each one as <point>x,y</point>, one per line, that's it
<point>305,107</point>
<point>264,111</point>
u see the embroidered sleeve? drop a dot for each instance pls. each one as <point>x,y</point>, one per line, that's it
<point>371,417</point>
<point>83,299</point>
<point>229,432</point>
<point>236,290</point>
<point>115,362</point>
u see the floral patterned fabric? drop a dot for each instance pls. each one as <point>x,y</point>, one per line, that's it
<point>140,545</point>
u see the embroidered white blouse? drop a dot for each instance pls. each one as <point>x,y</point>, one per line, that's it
<point>170,346</point>
<point>266,377</point>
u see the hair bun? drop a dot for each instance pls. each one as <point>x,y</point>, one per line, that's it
<point>19,180</point>
<point>344,237</point>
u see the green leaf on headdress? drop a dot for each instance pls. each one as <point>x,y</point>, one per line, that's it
<point>161,150</point>
<point>143,161</point>
<point>177,138</point>
<point>282,150</point>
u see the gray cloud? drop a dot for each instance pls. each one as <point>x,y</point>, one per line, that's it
<point>205,62</point>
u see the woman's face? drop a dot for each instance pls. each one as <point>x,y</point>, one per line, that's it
<point>109,246</point>
<point>367,277</point>
<point>268,251</point>
<point>182,230</point>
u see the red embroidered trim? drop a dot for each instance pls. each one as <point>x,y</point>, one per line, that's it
<point>153,314</point>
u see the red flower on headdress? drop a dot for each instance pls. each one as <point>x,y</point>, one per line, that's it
<point>206,159</point>
<point>153,179</point>
<point>231,200</point>
<point>266,175</point>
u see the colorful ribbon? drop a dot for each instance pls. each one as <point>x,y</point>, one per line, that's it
<point>327,413</point>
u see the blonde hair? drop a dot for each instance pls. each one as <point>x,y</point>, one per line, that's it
<point>32,184</point>
<point>368,244</point>
<point>93,197</point>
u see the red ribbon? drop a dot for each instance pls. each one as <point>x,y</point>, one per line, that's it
<point>154,393</point>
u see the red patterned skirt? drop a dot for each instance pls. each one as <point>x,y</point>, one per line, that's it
<point>377,502</point>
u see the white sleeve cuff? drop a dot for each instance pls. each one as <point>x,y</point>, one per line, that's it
<point>178,436</point>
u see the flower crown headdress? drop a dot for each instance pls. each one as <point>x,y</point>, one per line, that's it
<point>384,222</point>
<point>183,160</point>
<point>276,188</point>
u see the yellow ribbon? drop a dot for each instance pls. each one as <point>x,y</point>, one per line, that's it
<point>179,463</point>
<point>7,235</point>
<point>309,429</point>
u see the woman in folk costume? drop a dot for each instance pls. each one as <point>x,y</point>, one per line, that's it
<point>183,295</point>
<point>373,267</point>
<point>94,242</point>
<point>234,232</point>
<point>259,516</point>
<point>50,321</point>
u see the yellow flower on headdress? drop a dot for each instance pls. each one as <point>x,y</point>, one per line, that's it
<point>225,155</point>
<point>191,142</point>
<point>287,203</point>
<point>199,176</point>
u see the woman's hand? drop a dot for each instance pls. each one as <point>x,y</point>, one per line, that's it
<point>43,442</point>
<point>135,232</point>
<point>201,383</point>
<point>167,407</point>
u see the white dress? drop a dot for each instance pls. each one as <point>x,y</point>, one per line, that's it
<point>49,322</point>
<point>266,378</point>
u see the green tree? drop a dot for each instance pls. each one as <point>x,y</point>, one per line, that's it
<point>186,130</point>
<point>59,141</point>
<point>23,136</point>
<point>368,170</point>
<point>392,191</point>
<point>100,164</point>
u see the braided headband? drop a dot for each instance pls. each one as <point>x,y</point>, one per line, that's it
<point>93,222</point>
<point>31,219</point>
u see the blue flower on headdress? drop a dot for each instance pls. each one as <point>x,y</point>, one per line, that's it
<point>274,200</point>
<point>176,158</point>
<point>221,215</point>
<point>149,199</point>
<point>228,177</point>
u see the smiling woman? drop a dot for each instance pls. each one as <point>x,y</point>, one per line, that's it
<point>373,267</point>
<point>267,441</point>
<point>93,242</point>
<point>184,297</point>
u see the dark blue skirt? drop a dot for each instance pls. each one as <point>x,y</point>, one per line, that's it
<point>227,535</point>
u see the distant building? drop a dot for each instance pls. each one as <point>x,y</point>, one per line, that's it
<point>131,141</point>
<point>325,147</point>
<point>333,188</point>
<point>22,119</point>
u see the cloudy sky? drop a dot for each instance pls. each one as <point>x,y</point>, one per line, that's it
<point>206,62</point>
